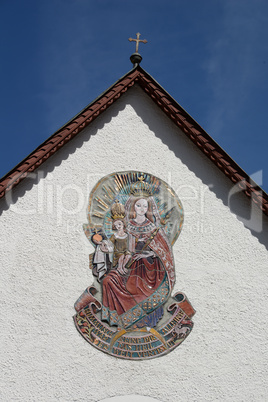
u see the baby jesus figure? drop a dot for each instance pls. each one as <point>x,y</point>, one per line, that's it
<point>120,241</point>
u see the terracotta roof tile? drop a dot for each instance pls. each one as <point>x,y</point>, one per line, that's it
<point>169,106</point>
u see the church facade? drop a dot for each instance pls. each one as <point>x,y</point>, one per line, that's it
<point>219,253</point>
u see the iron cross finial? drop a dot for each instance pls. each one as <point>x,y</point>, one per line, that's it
<point>138,40</point>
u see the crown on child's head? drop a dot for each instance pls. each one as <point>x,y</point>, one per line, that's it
<point>118,211</point>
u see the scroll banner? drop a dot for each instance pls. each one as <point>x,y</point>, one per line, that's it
<point>133,344</point>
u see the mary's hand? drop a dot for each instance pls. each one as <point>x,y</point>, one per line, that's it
<point>138,256</point>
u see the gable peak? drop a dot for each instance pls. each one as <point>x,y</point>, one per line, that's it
<point>136,58</point>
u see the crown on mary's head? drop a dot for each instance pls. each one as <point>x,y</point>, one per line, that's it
<point>143,189</point>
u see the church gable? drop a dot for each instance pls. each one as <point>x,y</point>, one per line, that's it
<point>47,260</point>
<point>168,105</point>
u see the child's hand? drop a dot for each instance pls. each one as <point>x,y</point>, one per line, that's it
<point>122,270</point>
<point>104,247</point>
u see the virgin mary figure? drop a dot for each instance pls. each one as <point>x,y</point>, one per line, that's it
<point>135,295</point>
<point>134,219</point>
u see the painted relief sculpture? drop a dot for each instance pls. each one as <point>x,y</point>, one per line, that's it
<point>129,311</point>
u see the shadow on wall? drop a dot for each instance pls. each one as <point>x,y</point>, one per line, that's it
<point>57,158</point>
<point>231,196</point>
<point>130,398</point>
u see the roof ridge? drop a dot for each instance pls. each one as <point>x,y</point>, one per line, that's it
<point>169,106</point>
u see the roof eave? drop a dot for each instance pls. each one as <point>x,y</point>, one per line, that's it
<point>169,106</point>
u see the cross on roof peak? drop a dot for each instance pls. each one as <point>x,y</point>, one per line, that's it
<point>138,40</point>
<point>136,58</point>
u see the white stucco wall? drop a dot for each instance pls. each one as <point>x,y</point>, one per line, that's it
<point>220,265</point>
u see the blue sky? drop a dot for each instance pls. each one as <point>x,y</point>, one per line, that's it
<point>212,56</point>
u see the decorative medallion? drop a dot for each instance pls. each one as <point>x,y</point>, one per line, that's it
<point>129,311</point>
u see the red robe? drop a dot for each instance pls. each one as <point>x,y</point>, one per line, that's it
<point>147,286</point>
